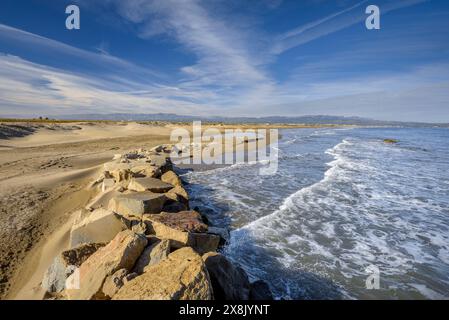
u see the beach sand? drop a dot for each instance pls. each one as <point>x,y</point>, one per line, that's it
<point>42,181</point>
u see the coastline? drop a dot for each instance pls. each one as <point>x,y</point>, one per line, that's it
<point>51,174</point>
<point>203,240</point>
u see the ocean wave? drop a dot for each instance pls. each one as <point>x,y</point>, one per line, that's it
<point>288,202</point>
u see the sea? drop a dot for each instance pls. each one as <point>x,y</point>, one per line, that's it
<point>346,215</point>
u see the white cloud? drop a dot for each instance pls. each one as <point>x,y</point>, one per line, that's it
<point>26,86</point>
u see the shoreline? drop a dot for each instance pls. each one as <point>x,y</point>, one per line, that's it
<point>206,245</point>
<point>57,169</point>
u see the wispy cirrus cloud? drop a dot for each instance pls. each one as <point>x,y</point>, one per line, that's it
<point>333,23</point>
<point>29,88</point>
<point>85,61</point>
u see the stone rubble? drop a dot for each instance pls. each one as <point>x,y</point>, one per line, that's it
<point>139,239</point>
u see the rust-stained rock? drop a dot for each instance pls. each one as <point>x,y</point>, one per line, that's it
<point>183,229</point>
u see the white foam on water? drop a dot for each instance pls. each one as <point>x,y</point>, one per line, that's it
<point>375,204</point>
<point>345,220</point>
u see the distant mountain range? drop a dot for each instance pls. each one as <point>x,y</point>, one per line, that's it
<point>311,119</point>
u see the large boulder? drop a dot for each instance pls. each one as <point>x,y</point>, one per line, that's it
<point>171,178</point>
<point>183,229</point>
<point>146,170</point>
<point>121,253</point>
<point>65,264</point>
<point>181,276</point>
<point>99,226</point>
<point>229,282</point>
<point>222,232</point>
<point>149,184</point>
<point>204,242</point>
<point>178,193</point>
<point>161,161</point>
<point>188,221</point>
<point>153,254</point>
<point>174,206</point>
<point>138,203</point>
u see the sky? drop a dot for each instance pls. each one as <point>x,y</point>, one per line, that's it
<point>227,58</point>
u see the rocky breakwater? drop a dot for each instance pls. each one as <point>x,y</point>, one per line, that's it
<point>139,239</point>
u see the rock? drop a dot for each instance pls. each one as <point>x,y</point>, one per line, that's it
<point>120,175</point>
<point>139,228</point>
<point>229,282</point>
<point>138,203</point>
<point>98,226</point>
<point>102,199</point>
<point>114,282</point>
<point>222,232</point>
<point>172,178</point>
<point>146,170</point>
<point>188,221</point>
<point>157,149</point>
<point>107,184</point>
<point>204,242</point>
<point>133,155</point>
<point>64,265</point>
<point>121,253</point>
<point>153,254</point>
<point>99,180</point>
<point>174,206</point>
<point>182,276</point>
<point>260,291</point>
<point>149,184</point>
<point>181,194</point>
<point>183,229</point>
<point>392,141</point>
<point>161,161</point>
<point>130,276</point>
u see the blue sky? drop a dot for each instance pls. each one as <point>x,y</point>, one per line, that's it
<point>232,58</point>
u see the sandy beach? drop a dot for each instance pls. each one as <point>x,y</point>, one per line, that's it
<point>42,180</point>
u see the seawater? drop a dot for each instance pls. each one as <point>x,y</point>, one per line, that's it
<point>342,200</point>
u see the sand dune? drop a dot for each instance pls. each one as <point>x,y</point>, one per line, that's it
<point>42,178</point>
